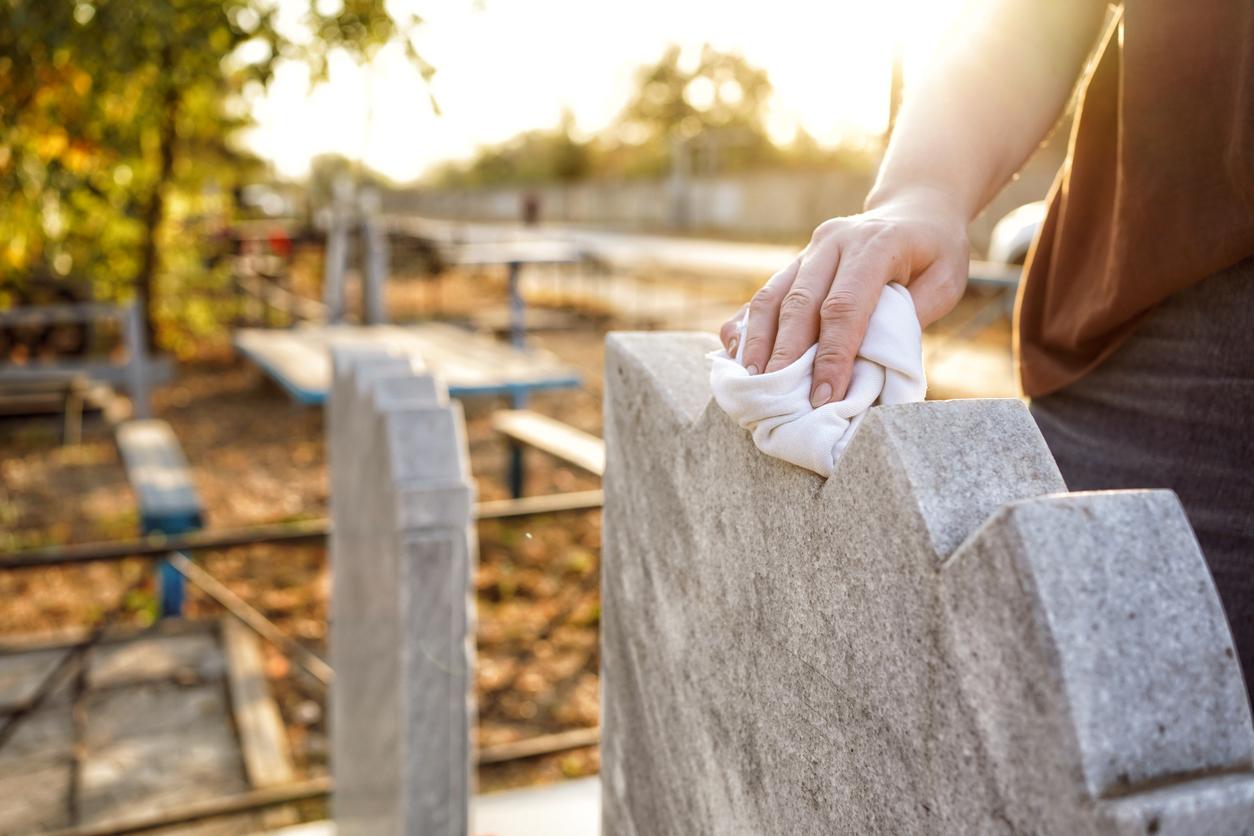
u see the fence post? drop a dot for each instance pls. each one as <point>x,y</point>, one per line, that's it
<point>137,361</point>
<point>376,261</point>
<point>335,253</point>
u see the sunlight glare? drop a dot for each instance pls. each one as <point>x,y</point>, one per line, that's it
<point>505,66</point>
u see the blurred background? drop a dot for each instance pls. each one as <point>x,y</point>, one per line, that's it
<point>198,193</point>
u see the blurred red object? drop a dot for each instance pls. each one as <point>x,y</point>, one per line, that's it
<point>280,243</point>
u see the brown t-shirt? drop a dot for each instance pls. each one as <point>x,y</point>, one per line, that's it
<point>1157,192</point>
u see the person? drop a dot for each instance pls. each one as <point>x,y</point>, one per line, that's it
<point>530,209</point>
<point>1134,325</point>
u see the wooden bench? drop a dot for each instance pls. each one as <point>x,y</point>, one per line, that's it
<point>137,373</point>
<point>262,735</point>
<point>168,502</point>
<point>472,365</point>
<point>562,441</point>
<point>67,393</point>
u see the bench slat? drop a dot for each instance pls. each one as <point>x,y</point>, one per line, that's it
<point>471,364</point>
<point>262,735</point>
<point>158,473</point>
<point>553,437</point>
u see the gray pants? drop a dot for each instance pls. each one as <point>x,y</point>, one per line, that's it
<point>1174,408</point>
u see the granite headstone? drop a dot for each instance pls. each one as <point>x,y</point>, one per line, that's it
<point>939,639</point>
<point>402,550</point>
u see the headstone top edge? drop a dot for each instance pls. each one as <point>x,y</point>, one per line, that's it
<point>345,357</point>
<point>402,409</point>
<point>1069,552</point>
<point>671,364</point>
<point>631,340</point>
<point>401,390</point>
<point>964,459</point>
<point>892,415</point>
<point>1018,510</point>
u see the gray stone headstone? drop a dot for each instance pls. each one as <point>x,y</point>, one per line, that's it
<point>402,550</point>
<point>377,260</point>
<point>336,254</point>
<point>938,639</point>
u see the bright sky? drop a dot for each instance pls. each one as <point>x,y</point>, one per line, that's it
<point>506,66</point>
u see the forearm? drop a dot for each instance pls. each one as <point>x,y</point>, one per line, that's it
<point>988,102</point>
<point>960,136</point>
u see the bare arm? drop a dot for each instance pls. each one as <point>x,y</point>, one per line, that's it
<point>962,133</point>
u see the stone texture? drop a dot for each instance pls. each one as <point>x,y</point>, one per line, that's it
<point>35,797</point>
<point>186,658</point>
<point>154,746</point>
<point>141,723</point>
<point>339,218</point>
<point>377,258</point>
<point>936,640</point>
<point>36,764</point>
<point>401,555</point>
<point>22,673</point>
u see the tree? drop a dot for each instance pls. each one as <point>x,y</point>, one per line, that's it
<point>543,156</point>
<point>113,110</point>
<point>716,110</point>
<point>713,114</point>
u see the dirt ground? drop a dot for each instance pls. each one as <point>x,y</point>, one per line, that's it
<point>259,458</point>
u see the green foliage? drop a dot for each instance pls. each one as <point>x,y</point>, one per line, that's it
<point>717,109</point>
<point>326,169</point>
<point>805,152</point>
<point>706,119</point>
<point>532,157</point>
<point>713,114</point>
<point>117,119</point>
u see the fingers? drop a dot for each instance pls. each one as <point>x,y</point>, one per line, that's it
<point>729,334</point>
<point>764,318</point>
<point>845,312</point>
<point>937,289</point>
<point>799,309</point>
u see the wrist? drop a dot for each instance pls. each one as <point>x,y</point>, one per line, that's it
<point>925,197</point>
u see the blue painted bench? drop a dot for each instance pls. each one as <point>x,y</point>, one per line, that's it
<point>167,498</point>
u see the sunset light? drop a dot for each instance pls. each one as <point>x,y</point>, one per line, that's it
<point>626,417</point>
<point>506,66</point>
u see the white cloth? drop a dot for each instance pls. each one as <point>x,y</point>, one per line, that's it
<point>775,407</point>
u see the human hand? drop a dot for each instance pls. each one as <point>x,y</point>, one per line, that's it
<point>916,238</point>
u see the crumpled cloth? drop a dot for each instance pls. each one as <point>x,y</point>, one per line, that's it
<point>775,406</point>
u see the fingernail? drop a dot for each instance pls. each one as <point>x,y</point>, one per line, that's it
<point>751,369</point>
<point>731,347</point>
<point>821,395</point>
